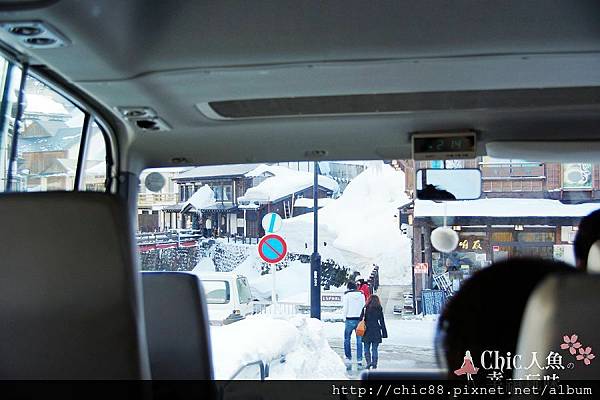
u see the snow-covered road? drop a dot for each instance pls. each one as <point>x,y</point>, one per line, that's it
<point>409,345</point>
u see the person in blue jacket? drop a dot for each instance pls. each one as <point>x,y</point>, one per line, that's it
<point>375,332</point>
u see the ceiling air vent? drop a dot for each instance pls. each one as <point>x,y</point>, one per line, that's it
<point>152,125</point>
<point>35,34</point>
<point>144,118</point>
<point>390,103</point>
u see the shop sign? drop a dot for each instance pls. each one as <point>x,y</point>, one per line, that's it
<point>577,176</point>
<point>471,243</point>
<point>421,268</point>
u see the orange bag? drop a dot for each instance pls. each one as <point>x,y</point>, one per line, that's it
<point>361,328</point>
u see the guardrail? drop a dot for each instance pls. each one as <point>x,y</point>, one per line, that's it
<point>373,280</point>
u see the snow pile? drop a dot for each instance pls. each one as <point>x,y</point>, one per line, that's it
<point>305,202</point>
<point>312,357</point>
<point>281,182</point>
<point>361,228</point>
<point>249,340</point>
<point>204,265</point>
<point>201,198</point>
<point>293,283</point>
<point>301,340</point>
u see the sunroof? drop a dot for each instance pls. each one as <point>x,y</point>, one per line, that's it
<point>401,102</point>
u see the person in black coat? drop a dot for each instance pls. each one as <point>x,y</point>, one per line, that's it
<point>375,330</point>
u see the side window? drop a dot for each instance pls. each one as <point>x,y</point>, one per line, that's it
<point>217,292</point>
<point>95,176</point>
<point>41,138</point>
<point>49,141</point>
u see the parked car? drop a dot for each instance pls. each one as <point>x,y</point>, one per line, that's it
<point>228,297</point>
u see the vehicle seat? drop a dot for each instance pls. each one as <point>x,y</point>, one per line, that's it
<point>561,306</point>
<point>177,326</point>
<point>593,263</point>
<point>70,300</point>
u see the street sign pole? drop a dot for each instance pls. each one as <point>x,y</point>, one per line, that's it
<point>272,249</point>
<point>315,258</point>
<point>272,223</point>
<point>274,289</point>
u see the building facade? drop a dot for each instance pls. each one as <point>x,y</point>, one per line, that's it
<point>526,209</point>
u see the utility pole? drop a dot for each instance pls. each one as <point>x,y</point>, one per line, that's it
<point>315,258</point>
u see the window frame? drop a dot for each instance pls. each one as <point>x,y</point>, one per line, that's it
<point>92,113</point>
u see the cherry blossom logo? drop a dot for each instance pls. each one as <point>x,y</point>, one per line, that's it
<point>581,353</point>
<point>571,343</point>
<point>585,355</point>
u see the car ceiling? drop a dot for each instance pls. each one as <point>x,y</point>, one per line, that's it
<point>175,55</point>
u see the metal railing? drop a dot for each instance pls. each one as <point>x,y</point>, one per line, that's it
<point>146,199</point>
<point>288,308</point>
<point>245,371</point>
<point>280,308</point>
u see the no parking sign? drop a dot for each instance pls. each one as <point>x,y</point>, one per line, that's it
<point>272,248</point>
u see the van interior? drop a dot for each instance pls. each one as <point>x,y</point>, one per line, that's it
<point>98,94</point>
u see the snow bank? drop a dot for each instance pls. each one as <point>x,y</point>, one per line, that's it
<point>301,340</point>
<point>361,228</point>
<point>305,202</point>
<point>312,357</point>
<point>293,283</point>
<point>204,265</point>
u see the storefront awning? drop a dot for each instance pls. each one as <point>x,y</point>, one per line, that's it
<point>173,208</point>
<point>219,208</point>
<point>503,207</point>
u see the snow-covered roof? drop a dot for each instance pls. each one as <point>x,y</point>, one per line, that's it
<point>306,202</point>
<point>503,207</point>
<point>63,139</point>
<point>40,104</point>
<point>94,167</point>
<point>217,171</point>
<point>282,182</point>
<point>201,198</point>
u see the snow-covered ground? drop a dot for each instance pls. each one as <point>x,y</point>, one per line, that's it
<point>301,340</point>
<point>305,343</point>
<point>407,332</point>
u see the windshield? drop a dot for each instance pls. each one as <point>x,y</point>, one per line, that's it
<point>244,293</point>
<point>370,228</point>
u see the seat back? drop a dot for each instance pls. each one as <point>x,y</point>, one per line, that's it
<point>560,307</point>
<point>70,301</point>
<point>177,326</point>
<point>593,262</point>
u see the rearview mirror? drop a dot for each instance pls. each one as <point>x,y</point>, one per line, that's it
<point>448,184</point>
